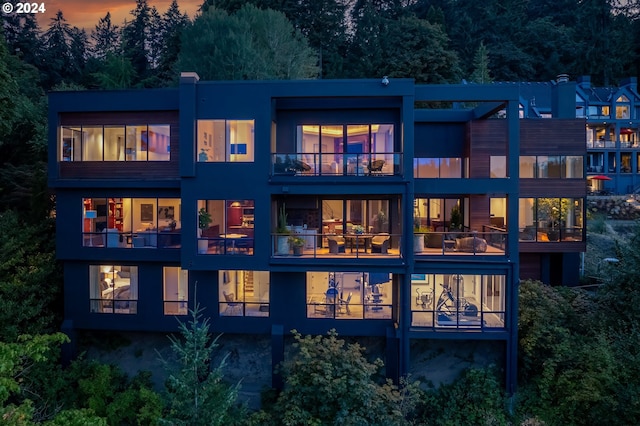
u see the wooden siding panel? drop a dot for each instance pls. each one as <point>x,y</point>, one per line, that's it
<point>530,266</point>
<point>553,247</point>
<point>569,188</point>
<point>114,118</point>
<point>486,138</point>
<point>479,207</point>
<point>553,136</point>
<point>119,170</point>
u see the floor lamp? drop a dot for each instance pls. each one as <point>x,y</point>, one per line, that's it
<point>91,215</point>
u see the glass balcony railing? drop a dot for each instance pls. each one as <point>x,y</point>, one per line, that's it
<point>601,144</point>
<point>492,241</point>
<point>336,245</point>
<point>337,164</point>
<point>113,238</point>
<point>531,233</point>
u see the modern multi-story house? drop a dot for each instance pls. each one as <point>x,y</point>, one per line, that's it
<point>388,209</point>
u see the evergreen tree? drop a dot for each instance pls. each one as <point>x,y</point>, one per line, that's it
<point>156,37</point>
<point>135,39</point>
<point>481,73</point>
<point>57,40</point>
<point>173,23</point>
<point>196,390</point>
<point>106,37</point>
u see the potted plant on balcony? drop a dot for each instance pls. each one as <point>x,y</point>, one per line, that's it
<point>204,219</point>
<point>297,244</point>
<point>282,231</point>
<point>380,222</point>
<point>419,235</point>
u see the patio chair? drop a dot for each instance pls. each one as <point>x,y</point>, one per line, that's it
<point>336,244</point>
<point>375,166</point>
<point>232,304</point>
<point>380,243</point>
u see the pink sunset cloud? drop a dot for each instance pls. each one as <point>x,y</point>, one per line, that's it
<point>86,13</point>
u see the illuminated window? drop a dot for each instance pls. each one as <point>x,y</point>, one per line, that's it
<point>113,289</point>
<point>243,293</point>
<point>144,142</point>
<point>349,295</point>
<point>175,290</point>
<point>454,301</point>
<point>131,222</point>
<point>225,227</point>
<point>225,141</point>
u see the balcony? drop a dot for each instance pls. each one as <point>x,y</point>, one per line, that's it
<point>601,144</point>
<point>491,241</point>
<point>546,234</point>
<point>113,238</point>
<point>337,164</point>
<point>355,246</point>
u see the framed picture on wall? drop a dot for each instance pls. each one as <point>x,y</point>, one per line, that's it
<point>166,212</point>
<point>146,212</point>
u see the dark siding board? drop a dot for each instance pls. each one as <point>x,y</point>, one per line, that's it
<point>486,138</point>
<point>566,188</point>
<point>479,214</point>
<point>114,118</point>
<point>553,247</point>
<point>119,170</point>
<point>530,266</point>
<point>552,136</point>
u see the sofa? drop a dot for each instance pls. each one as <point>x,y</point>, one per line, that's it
<point>471,245</point>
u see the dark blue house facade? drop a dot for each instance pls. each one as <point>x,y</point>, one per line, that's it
<point>396,210</point>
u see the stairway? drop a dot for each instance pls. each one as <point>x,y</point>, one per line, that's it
<point>248,282</point>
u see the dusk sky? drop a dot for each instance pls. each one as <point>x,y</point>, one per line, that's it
<point>86,13</point>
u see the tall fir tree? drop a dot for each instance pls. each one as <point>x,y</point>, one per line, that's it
<point>481,72</point>
<point>135,39</point>
<point>173,23</point>
<point>106,37</point>
<point>197,393</point>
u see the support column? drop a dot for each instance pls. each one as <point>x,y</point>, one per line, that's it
<point>277,355</point>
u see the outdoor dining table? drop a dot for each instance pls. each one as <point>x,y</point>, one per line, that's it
<point>358,240</point>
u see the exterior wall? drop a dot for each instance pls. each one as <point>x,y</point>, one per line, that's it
<point>277,108</point>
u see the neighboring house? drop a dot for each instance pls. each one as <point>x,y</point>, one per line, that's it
<point>612,116</point>
<point>400,211</point>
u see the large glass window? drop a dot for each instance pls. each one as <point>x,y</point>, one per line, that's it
<point>225,141</point>
<point>622,108</point>
<point>115,143</point>
<point>113,289</point>
<point>175,290</point>
<point>243,293</point>
<point>527,166</point>
<point>354,149</point>
<point>625,162</point>
<point>551,219</point>
<point>458,300</point>
<point>437,168</point>
<point>436,213</point>
<point>225,227</point>
<point>554,166</point>
<point>349,295</point>
<point>131,222</point>
<point>498,166</point>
